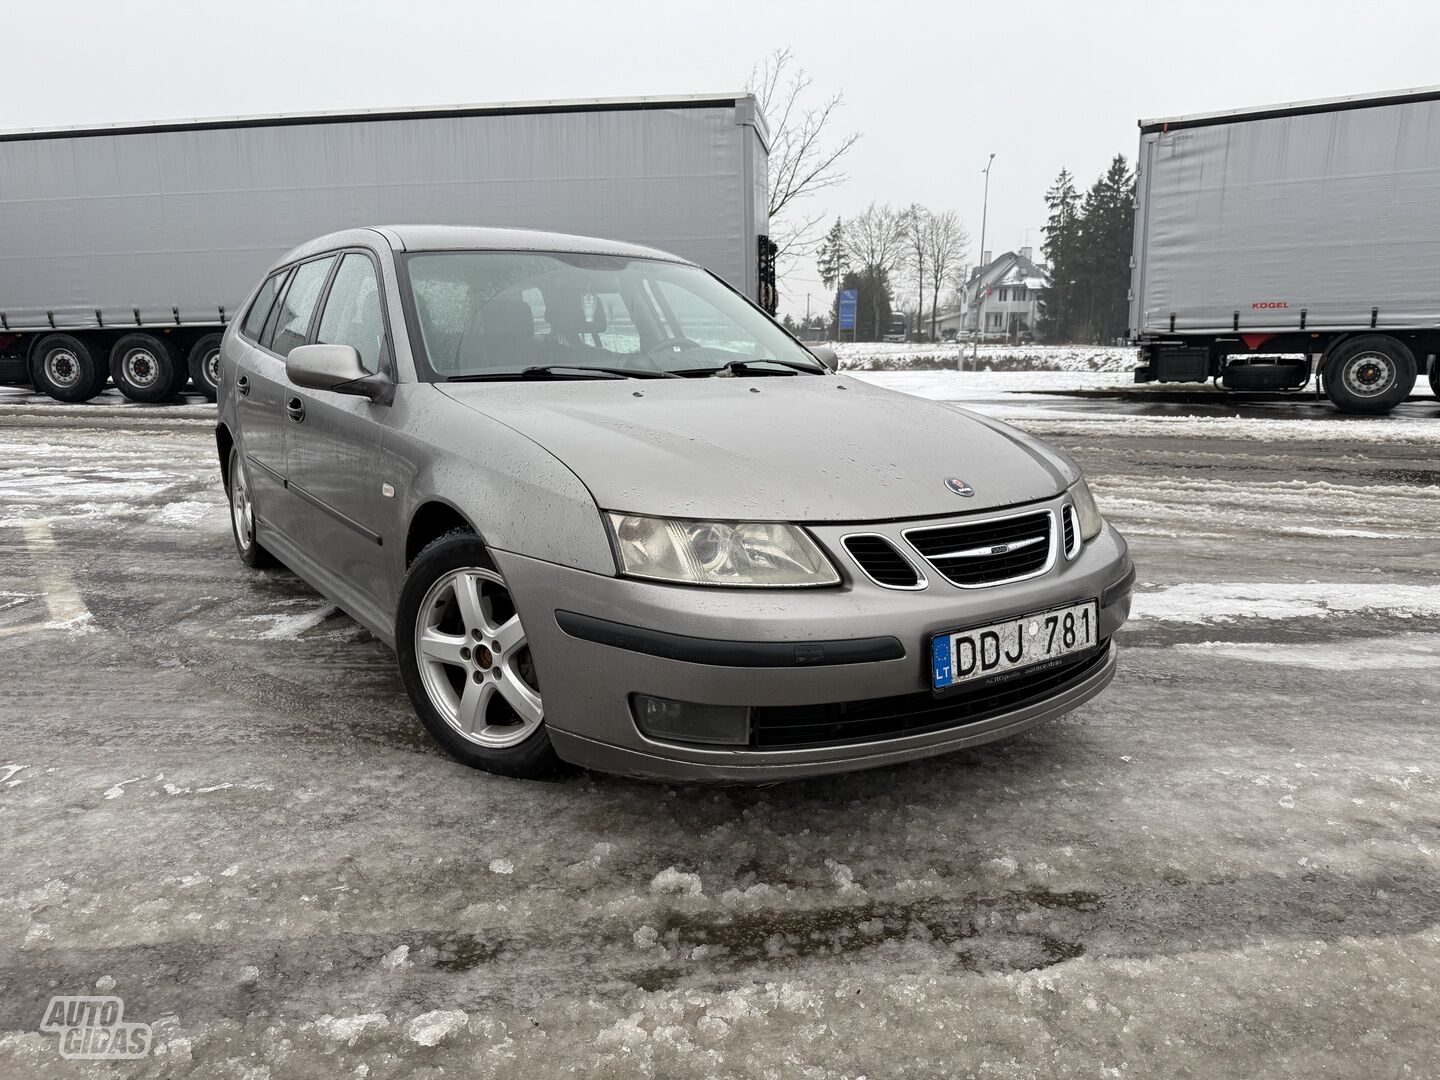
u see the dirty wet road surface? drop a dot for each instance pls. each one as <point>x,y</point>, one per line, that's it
<point>218,805</point>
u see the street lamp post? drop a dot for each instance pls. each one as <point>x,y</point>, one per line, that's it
<point>980,281</point>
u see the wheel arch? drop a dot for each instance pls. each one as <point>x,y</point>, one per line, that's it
<point>224,443</point>
<point>432,518</point>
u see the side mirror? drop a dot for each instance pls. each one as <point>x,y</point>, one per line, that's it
<point>336,368</point>
<point>826,356</point>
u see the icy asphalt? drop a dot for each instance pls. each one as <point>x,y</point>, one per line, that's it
<point>216,804</point>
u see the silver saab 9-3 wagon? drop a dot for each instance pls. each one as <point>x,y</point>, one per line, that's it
<point>607,512</point>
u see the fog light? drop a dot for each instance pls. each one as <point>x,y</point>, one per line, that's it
<point>686,721</point>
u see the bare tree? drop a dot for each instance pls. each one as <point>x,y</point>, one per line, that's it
<point>876,243</point>
<point>917,228</point>
<point>804,155</point>
<point>946,244</point>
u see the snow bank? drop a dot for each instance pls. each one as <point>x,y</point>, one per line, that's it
<point>879,356</point>
<point>1222,602</point>
<point>948,385</point>
<point>1402,653</point>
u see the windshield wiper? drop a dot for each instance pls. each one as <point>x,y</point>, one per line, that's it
<point>747,367</point>
<point>558,371</point>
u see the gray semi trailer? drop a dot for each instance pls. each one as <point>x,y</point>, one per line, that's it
<point>124,250</point>
<point>1278,245</point>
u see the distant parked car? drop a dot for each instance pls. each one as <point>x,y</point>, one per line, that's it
<point>608,512</point>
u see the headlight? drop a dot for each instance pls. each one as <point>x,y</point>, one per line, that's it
<point>1090,520</point>
<point>719,552</point>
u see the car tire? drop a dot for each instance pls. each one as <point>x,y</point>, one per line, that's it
<point>1435,376</point>
<point>146,368</point>
<point>476,664</point>
<point>204,365</point>
<point>242,514</point>
<point>67,368</point>
<point>1369,374</point>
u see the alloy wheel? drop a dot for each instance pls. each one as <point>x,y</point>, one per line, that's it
<point>242,510</point>
<point>474,659</point>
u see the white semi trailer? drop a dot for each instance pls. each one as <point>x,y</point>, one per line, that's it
<point>1310,230</point>
<point>124,250</point>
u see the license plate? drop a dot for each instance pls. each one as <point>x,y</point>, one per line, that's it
<point>997,649</point>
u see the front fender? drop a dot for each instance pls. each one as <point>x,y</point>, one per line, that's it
<point>518,496</point>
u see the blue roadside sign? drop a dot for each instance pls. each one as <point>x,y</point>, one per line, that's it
<point>848,301</point>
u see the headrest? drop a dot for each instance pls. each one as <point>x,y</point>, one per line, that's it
<point>569,311</point>
<point>507,317</point>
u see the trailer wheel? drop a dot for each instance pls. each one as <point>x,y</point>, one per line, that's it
<point>146,368</point>
<point>204,364</point>
<point>1435,376</point>
<point>178,365</point>
<point>67,368</point>
<point>1369,374</point>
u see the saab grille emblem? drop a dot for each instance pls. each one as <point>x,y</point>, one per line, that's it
<point>959,487</point>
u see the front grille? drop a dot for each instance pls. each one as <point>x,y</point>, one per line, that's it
<point>913,714</point>
<point>881,562</point>
<point>1068,516</point>
<point>971,554</point>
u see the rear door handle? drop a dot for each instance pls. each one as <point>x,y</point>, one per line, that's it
<point>295,409</point>
<point>242,384</point>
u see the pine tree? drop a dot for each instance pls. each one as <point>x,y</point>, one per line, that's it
<point>1107,224</point>
<point>830,257</point>
<point>1087,243</point>
<point>1056,317</point>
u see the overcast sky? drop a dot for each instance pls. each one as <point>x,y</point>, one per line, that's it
<point>933,88</point>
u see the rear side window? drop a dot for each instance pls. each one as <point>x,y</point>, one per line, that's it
<point>260,309</point>
<point>352,312</point>
<point>292,325</point>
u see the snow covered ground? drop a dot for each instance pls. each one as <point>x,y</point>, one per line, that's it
<point>879,356</point>
<point>218,806</point>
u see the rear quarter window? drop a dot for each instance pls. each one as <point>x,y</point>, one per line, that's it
<point>260,306</point>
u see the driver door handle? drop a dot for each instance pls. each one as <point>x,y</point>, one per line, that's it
<point>242,384</point>
<point>295,409</point>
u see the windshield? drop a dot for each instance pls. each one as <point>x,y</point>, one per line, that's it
<point>493,314</point>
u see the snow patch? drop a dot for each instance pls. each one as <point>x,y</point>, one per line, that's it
<point>1349,657</point>
<point>76,625</point>
<point>676,883</point>
<point>1223,602</point>
<point>289,627</point>
<point>429,1028</point>
<point>183,513</point>
<point>347,1029</point>
<point>398,957</point>
<point>117,790</point>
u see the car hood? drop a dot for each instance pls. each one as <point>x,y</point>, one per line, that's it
<point>796,448</point>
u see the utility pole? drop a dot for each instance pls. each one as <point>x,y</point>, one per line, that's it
<point>980,281</point>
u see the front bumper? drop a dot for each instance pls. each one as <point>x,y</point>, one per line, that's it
<point>873,644</point>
